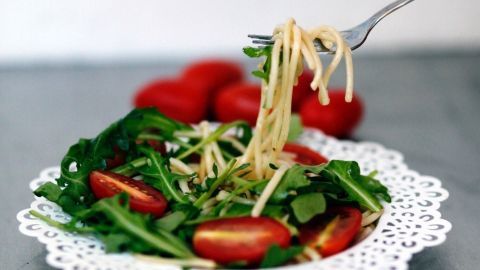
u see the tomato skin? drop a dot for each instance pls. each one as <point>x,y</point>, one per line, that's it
<point>216,239</point>
<point>304,155</point>
<point>143,198</point>
<point>117,160</point>
<point>239,101</point>
<point>348,226</point>
<point>302,90</point>
<point>180,100</point>
<point>213,74</point>
<point>120,155</point>
<point>338,118</point>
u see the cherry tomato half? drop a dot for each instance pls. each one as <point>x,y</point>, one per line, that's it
<point>240,101</point>
<point>304,155</point>
<point>143,198</point>
<point>180,100</point>
<point>239,239</point>
<point>332,232</point>
<point>338,118</point>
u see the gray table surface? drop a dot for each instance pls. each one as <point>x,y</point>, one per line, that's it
<point>425,106</point>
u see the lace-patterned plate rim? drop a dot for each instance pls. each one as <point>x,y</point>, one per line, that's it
<point>409,224</point>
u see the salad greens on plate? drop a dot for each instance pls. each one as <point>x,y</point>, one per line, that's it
<point>122,186</point>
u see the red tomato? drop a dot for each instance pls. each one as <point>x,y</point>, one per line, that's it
<point>304,155</point>
<point>180,100</point>
<point>213,74</point>
<point>117,160</point>
<point>338,118</point>
<point>239,101</point>
<point>332,232</point>
<point>156,145</point>
<point>143,198</point>
<point>239,239</point>
<point>302,90</point>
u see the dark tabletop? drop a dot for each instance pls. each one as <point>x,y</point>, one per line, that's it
<point>425,106</point>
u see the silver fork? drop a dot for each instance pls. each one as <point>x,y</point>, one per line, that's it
<point>354,37</point>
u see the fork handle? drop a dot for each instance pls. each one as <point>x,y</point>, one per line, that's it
<point>372,21</point>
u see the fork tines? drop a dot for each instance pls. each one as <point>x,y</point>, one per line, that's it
<point>267,40</point>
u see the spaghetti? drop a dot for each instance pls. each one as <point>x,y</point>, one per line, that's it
<point>292,45</point>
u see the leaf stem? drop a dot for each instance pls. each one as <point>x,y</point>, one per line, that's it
<point>155,240</point>
<point>220,179</point>
<point>129,168</point>
<point>212,137</point>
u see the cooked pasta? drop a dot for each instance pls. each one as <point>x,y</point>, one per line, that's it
<point>292,46</point>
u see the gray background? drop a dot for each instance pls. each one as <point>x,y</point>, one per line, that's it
<point>425,106</point>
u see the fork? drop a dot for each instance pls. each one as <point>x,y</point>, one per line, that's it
<point>354,37</point>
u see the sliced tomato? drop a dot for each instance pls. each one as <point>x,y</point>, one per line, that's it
<point>180,100</point>
<point>304,155</point>
<point>143,198</point>
<point>239,239</point>
<point>332,232</point>
<point>339,118</point>
<point>302,90</point>
<point>240,101</point>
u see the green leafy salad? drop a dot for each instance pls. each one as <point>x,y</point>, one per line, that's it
<point>137,186</point>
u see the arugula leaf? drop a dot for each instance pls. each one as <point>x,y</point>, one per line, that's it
<point>259,52</point>
<point>347,174</point>
<point>306,206</point>
<point>255,52</point>
<point>157,174</point>
<point>374,186</point>
<point>261,74</point>
<point>277,256</point>
<point>226,174</point>
<point>296,128</point>
<point>293,179</point>
<point>181,213</point>
<point>239,210</point>
<point>138,226</point>
<point>123,230</point>
<point>214,136</point>
<point>130,168</point>
<point>172,221</point>
<point>50,191</point>
<point>115,242</point>
<point>91,154</point>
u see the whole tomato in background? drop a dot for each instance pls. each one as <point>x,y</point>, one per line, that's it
<point>180,100</point>
<point>240,101</point>
<point>302,90</point>
<point>213,76</point>
<point>190,97</point>
<point>338,119</point>
<point>215,90</point>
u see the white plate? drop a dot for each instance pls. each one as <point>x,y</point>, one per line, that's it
<point>410,223</point>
